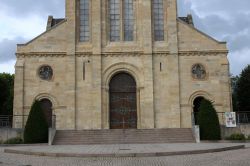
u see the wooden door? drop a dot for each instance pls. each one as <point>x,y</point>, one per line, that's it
<point>123,113</point>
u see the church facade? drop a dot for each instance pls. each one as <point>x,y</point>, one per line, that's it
<point>115,64</point>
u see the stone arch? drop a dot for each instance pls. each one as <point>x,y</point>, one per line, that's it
<point>122,67</point>
<point>48,96</point>
<point>201,93</point>
<point>195,100</point>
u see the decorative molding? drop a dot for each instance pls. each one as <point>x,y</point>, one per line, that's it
<point>203,53</point>
<point>116,54</point>
<point>41,54</point>
<point>161,53</point>
<point>83,54</point>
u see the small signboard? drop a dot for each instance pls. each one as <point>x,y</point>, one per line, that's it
<point>230,118</point>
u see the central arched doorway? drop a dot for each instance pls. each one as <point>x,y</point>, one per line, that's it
<point>196,106</point>
<point>46,105</point>
<point>123,107</point>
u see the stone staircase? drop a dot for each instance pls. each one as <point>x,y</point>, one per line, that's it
<point>128,136</point>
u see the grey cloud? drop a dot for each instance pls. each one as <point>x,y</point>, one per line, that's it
<point>8,49</point>
<point>224,20</point>
<point>22,8</point>
<point>221,6</point>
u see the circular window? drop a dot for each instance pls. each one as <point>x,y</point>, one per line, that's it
<point>45,72</point>
<point>198,71</point>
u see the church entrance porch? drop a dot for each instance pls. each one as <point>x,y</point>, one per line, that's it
<point>123,108</point>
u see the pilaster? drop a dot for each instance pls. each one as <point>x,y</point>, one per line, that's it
<point>147,94</point>
<point>18,121</point>
<point>96,64</point>
<point>70,77</point>
<point>174,66</point>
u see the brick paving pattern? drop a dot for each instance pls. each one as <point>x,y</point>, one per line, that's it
<point>228,158</point>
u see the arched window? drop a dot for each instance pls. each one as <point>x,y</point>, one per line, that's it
<point>128,20</point>
<point>114,15</point>
<point>84,21</point>
<point>121,18</point>
<point>158,18</point>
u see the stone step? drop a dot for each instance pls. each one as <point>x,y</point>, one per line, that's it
<point>76,137</point>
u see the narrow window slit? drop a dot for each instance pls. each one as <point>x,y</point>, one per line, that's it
<point>83,70</point>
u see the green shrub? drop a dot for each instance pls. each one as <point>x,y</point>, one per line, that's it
<point>236,136</point>
<point>36,129</point>
<point>208,121</point>
<point>16,140</point>
<point>248,137</point>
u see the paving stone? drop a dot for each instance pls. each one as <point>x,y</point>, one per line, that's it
<point>228,158</point>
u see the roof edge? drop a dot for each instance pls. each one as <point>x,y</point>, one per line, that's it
<point>55,26</point>
<point>199,31</point>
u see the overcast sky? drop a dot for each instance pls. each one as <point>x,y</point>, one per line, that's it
<point>225,20</point>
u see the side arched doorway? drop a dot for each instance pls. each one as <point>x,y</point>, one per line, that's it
<point>122,97</point>
<point>196,106</point>
<point>46,105</point>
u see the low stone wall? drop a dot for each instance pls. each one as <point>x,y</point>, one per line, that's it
<point>240,129</point>
<point>7,133</point>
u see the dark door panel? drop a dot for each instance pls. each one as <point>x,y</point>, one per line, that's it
<point>123,113</point>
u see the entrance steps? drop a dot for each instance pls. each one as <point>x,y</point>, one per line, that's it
<point>120,136</point>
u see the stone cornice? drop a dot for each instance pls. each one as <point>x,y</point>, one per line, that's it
<point>41,54</point>
<point>161,53</point>
<point>117,54</point>
<point>83,54</point>
<point>203,53</point>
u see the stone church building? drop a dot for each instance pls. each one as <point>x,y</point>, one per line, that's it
<point>121,64</point>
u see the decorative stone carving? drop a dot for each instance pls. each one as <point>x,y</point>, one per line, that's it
<point>45,72</point>
<point>198,72</point>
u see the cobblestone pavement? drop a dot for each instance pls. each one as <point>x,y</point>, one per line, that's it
<point>123,148</point>
<point>228,158</point>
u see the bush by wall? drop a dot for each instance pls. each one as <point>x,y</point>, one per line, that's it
<point>208,121</point>
<point>36,129</point>
<point>16,140</point>
<point>237,136</point>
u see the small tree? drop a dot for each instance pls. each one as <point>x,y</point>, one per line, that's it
<point>36,129</point>
<point>243,90</point>
<point>6,95</point>
<point>234,82</point>
<point>208,121</point>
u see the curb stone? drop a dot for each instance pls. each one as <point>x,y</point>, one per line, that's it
<point>150,154</point>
